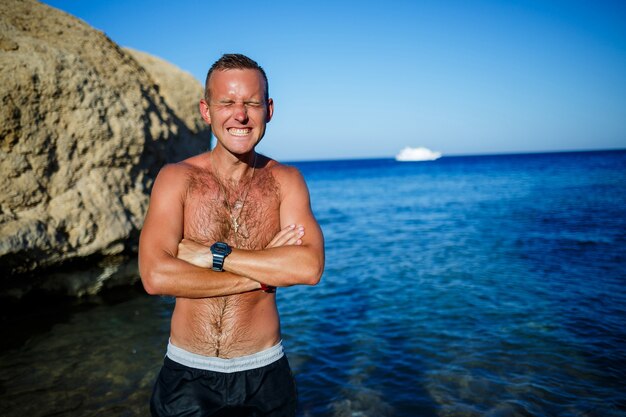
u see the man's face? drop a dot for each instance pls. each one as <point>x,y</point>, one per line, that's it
<point>237,110</point>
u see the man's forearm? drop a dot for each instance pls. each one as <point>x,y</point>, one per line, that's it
<point>280,266</point>
<point>175,277</point>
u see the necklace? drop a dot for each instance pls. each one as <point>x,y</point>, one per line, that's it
<point>239,202</point>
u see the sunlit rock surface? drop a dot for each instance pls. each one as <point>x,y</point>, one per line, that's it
<point>84,127</point>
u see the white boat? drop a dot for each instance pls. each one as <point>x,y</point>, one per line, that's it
<point>417,154</point>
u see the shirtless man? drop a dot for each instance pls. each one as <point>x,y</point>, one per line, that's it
<point>223,230</point>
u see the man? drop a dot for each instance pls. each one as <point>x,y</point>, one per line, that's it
<point>223,230</point>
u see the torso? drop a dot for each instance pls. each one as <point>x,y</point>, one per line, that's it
<point>239,324</point>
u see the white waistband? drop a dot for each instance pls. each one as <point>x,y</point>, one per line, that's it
<point>210,363</point>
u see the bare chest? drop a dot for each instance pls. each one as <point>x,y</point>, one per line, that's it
<point>247,217</point>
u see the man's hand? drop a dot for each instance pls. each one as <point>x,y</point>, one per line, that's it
<point>290,235</point>
<point>195,253</point>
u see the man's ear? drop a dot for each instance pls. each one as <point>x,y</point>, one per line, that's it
<point>204,111</point>
<point>270,110</point>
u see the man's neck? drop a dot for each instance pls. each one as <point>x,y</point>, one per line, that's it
<point>231,167</point>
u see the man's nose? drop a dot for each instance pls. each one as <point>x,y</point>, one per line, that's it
<point>241,113</point>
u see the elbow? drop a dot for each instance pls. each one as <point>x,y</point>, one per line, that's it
<point>152,283</point>
<point>314,273</point>
<point>314,279</point>
<point>149,287</point>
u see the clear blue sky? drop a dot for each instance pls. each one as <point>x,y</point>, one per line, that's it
<point>358,79</point>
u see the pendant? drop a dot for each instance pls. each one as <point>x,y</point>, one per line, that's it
<point>235,223</point>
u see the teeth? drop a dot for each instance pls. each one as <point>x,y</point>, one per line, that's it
<point>238,132</point>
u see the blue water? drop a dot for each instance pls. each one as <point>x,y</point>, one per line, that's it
<point>467,286</point>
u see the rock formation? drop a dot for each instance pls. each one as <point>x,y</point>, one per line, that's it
<point>84,128</point>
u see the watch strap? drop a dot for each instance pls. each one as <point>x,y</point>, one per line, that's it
<point>218,262</point>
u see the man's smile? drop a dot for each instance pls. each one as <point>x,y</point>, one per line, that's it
<point>239,131</point>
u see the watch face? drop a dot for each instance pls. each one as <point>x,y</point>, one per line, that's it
<point>220,248</point>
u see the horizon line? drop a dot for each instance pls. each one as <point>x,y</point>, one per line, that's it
<point>457,155</point>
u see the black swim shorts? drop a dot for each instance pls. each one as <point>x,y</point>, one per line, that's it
<point>184,391</point>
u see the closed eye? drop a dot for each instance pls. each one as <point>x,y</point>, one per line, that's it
<point>249,104</point>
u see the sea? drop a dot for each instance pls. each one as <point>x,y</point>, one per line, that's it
<point>487,285</point>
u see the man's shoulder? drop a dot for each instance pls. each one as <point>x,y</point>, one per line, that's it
<point>176,176</point>
<point>288,177</point>
<point>282,171</point>
<point>183,168</point>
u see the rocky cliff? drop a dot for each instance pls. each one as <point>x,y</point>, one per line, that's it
<point>84,127</point>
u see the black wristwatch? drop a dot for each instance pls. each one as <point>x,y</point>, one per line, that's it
<point>220,251</point>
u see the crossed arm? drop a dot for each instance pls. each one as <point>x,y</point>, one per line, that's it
<point>170,265</point>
